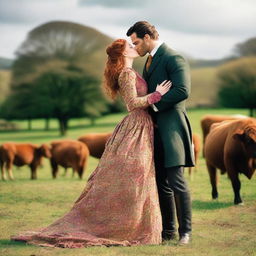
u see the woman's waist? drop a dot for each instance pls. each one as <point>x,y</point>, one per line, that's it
<point>141,111</point>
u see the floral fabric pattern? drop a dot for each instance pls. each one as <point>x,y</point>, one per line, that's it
<point>119,205</point>
<point>134,95</point>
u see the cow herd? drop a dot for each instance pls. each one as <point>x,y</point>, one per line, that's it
<point>229,144</point>
<point>66,153</point>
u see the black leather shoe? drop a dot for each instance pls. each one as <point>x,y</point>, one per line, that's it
<point>168,237</point>
<point>184,239</point>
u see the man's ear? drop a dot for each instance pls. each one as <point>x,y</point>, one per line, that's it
<point>147,36</point>
<point>239,135</point>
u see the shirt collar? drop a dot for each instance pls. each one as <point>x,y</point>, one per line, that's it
<point>153,52</point>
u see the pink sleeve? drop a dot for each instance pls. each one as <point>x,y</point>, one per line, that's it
<point>127,83</point>
<point>154,97</point>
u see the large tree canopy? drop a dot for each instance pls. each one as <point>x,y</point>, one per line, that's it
<point>62,92</point>
<point>58,74</point>
<point>238,84</point>
<point>71,42</point>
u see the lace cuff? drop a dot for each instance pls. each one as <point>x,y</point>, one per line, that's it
<point>154,97</point>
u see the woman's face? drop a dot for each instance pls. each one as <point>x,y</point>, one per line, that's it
<point>130,51</point>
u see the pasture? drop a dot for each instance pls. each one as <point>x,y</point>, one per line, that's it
<point>219,227</point>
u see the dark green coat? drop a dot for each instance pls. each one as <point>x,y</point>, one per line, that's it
<point>172,120</point>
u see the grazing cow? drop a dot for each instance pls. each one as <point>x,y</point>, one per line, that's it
<point>208,120</point>
<point>69,153</point>
<point>231,147</point>
<point>22,154</point>
<point>95,142</point>
<point>197,147</point>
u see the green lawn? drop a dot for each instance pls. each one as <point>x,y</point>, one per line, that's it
<point>219,227</point>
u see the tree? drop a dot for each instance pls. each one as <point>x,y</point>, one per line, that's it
<point>57,74</point>
<point>238,84</point>
<point>64,41</point>
<point>63,96</point>
<point>18,105</point>
<point>57,94</point>
<point>247,48</point>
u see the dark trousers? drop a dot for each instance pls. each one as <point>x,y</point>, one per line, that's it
<point>174,195</point>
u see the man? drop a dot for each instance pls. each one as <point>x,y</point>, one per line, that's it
<point>173,136</point>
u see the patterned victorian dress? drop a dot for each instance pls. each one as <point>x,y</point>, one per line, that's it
<point>119,205</point>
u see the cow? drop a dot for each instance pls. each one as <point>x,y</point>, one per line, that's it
<point>231,147</point>
<point>208,120</point>
<point>95,142</point>
<point>20,154</point>
<point>197,147</point>
<point>69,153</point>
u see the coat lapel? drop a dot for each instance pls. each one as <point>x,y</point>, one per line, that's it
<point>155,60</point>
<point>144,74</point>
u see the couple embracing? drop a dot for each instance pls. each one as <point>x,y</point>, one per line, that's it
<point>138,188</point>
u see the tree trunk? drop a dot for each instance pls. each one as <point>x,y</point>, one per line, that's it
<point>251,112</point>
<point>66,125</point>
<point>29,124</point>
<point>47,124</point>
<point>93,121</point>
<point>63,126</point>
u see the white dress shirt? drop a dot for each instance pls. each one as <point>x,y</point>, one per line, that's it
<point>158,44</point>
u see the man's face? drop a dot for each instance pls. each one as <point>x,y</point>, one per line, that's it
<point>141,45</point>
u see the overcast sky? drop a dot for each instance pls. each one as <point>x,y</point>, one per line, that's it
<point>206,29</point>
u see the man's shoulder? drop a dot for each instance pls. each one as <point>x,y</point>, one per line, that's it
<point>173,58</point>
<point>171,53</point>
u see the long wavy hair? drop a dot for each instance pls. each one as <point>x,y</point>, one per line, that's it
<point>114,66</point>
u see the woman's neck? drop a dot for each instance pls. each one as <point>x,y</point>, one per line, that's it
<point>128,63</point>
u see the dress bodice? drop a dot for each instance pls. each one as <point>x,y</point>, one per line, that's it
<point>133,89</point>
<point>141,85</point>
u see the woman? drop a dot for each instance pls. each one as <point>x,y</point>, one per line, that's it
<point>119,205</point>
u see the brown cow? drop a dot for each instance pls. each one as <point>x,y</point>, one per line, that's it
<point>231,147</point>
<point>69,153</point>
<point>95,142</point>
<point>208,120</point>
<point>22,154</point>
<point>197,147</point>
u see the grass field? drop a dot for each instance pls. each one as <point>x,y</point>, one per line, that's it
<point>219,227</point>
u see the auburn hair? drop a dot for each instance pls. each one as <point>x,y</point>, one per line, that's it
<point>114,66</point>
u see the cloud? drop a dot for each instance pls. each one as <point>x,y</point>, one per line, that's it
<point>226,17</point>
<point>40,11</point>
<point>200,28</point>
<point>115,3</point>
<point>199,46</point>
<point>191,16</point>
<point>31,11</point>
<point>10,41</point>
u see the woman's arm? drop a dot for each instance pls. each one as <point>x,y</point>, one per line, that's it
<point>127,83</point>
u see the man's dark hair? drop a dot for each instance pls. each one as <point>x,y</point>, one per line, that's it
<point>141,28</point>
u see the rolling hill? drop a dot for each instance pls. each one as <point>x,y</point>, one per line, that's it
<point>85,47</point>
